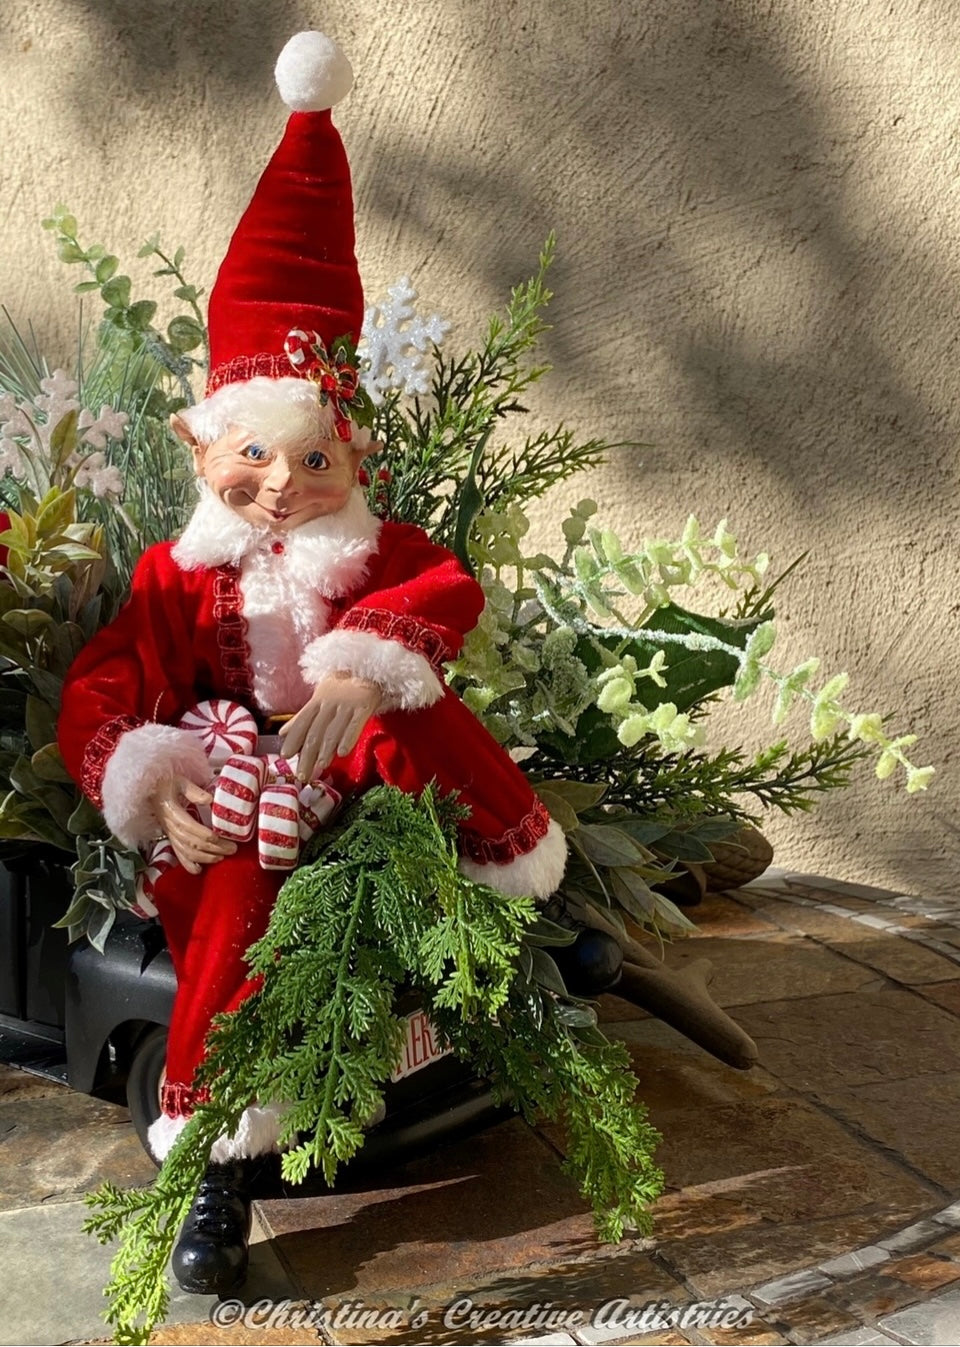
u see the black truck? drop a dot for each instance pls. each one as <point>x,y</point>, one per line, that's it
<point>98,1022</point>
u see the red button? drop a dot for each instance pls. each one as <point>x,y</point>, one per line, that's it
<point>276,548</point>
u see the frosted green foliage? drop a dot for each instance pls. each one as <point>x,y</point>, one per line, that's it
<point>602,604</point>
<point>526,669</point>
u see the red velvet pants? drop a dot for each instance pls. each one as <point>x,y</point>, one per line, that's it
<point>212,918</point>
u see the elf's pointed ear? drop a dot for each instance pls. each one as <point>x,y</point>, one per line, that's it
<point>183,432</point>
<point>360,452</point>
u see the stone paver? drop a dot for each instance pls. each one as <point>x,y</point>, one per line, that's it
<point>946,994</point>
<point>499,1307</point>
<point>821,1185</point>
<point>497,1200</point>
<point>904,961</point>
<point>928,1325</point>
<point>813,1318</point>
<point>723,916</point>
<point>55,1144</point>
<point>787,967</point>
<point>925,1134</point>
<point>881,1033</point>
<point>673,1071</point>
<point>52,1277</point>
<point>861,1337</point>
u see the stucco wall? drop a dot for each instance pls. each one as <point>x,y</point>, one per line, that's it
<point>757,208</point>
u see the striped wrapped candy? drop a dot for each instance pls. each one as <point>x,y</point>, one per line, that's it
<point>278,827</point>
<point>234,815</point>
<point>317,803</point>
<point>225,728</point>
<point>160,858</point>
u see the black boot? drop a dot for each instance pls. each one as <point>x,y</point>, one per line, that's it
<point>211,1255</point>
<point>592,964</point>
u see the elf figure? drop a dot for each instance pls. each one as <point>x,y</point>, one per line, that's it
<point>286,595</point>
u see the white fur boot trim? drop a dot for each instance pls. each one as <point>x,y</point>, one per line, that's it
<point>256,1134</point>
<point>162,1134</point>
<point>537,874</point>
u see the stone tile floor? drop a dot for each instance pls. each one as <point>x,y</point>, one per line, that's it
<point>815,1196</point>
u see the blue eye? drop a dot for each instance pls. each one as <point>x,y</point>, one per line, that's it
<point>316,460</point>
<point>255,452</point>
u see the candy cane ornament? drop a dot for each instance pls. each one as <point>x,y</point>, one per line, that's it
<point>160,858</point>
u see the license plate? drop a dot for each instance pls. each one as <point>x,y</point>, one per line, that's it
<point>421,1047</point>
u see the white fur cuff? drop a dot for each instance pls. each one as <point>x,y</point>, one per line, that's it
<point>537,874</point>
<point>406,678</point>
<point>257,1134</point>
<point>142,758</point>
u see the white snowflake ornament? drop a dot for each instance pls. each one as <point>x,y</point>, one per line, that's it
<point>394,341</point>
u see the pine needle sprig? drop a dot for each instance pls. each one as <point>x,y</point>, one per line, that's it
<point>693,785</point>
<point>320,1034</point>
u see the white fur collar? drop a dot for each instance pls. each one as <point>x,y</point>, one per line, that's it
<point>330,553</point>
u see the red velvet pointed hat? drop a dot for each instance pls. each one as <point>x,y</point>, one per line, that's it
<point>290,266</point>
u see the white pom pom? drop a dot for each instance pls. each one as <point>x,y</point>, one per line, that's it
<point>312,73</point>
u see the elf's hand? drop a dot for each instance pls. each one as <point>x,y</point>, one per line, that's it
<point>193,843</point>
<point>331,722</point>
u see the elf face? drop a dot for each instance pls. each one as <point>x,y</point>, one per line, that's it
<point>278,484</point>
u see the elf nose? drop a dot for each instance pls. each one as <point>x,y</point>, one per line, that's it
<point>278,476</point>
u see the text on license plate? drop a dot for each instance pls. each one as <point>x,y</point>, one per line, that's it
<point>421,1046</point>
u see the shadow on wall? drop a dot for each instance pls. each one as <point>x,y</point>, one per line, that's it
<point>696,173</point>
<point>746,274</point>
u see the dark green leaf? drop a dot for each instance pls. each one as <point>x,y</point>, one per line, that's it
<point>48,765</point>
<point>75,913</point>
<point>84,819</point>
<point>605,845</point>
<point>63,440</point>
<point>579,795</point>
<point>692,675</point>
<point>41,723</point>
<point>546,973</point>
<point>469,502</point>
<point>542,931</point>
<point>48,685</point>
<point>683,846</point>
<point>557,807</point>
<point>140,315</point>
<point>576,1016</point>
<point>644,831</point>
<point>633,894</point>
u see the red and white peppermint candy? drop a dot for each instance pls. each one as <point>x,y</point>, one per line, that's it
<point>317,803</point>
<point>236,796</point>
<point>278,827</point>
<point>224,728</point>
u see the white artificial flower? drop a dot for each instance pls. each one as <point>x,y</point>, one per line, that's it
<point>99,477</point>
<point>110,424</point>
<point>11,459</point>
